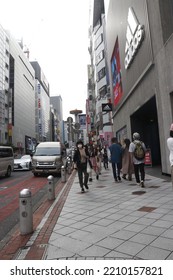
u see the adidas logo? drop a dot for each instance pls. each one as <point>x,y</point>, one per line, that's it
<point>134,36</point>
<point>107,108</point>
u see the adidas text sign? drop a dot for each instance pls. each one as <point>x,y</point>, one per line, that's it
<point>134,36</point>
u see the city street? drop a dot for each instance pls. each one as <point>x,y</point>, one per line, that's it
<point>9,197</point>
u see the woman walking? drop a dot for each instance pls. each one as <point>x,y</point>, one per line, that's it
<point>127,165</point>
<point>80,158</point>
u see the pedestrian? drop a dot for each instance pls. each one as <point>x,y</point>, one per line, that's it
<point>137,151</point>
<point>127,165</point>
<point>116,158</point>
<point>89,163</point>
<point>80,158</point>
<point>105,158</point>
<point>170,147</point>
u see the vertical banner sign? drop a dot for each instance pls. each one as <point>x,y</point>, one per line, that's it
<point>116,74</point>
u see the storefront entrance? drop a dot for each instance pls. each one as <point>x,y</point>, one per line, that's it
<point>145,121</point>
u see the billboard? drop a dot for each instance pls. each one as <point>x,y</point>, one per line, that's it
<point>82,121</point>
<point>116,74</point>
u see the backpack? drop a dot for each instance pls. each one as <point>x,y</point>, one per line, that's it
<point>139,152</point>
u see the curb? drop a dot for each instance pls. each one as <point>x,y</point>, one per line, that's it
<point>18,244</point>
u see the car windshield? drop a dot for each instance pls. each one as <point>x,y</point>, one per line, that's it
<point>45,151</point>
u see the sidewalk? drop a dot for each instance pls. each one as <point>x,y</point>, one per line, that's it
<point>110,221</point>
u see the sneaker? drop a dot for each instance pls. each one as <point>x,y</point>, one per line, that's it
<point>82,190</point>
<point>142,184</point>
<point>90,179</point>
<point>97,176</point>
<point>116,180</point>
<point>124,177</point>
<point>86,187</point>
<point>119,178</point>
<point>138,183</point>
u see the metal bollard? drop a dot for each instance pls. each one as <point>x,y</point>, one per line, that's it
<point>25,212</point>
<point>63,174</point>
<point>51,188</point>
<point>69,166</point>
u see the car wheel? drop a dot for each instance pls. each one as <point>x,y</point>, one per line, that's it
<point>35,174</point>
<point>30,166</point>
<point>8,174</point>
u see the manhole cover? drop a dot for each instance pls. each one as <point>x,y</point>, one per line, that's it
<point>138,192</point>
<point>154,187</point>
<point>147,209</point>
<point>100,187</point>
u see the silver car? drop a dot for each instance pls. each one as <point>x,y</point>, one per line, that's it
<point>23,163</point>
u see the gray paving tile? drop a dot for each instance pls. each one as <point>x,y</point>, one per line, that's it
<point>170,257</point>
<point>109,243</point>
<point>104,222</point>
<point>163,243</point>
<point>95,251</point>
<point>54,253</point>
<point>168,233</point>
<point>153,230</point>
<point>153,253</point>
<point>124,234</point>
<point>163,224</point>
<point>135,227</point>
<point>143,238</point>
<point>130,248</point>
<point>118,255</point>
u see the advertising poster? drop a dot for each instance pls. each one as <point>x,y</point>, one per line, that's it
<point>82,121</point>
<point>116,74</point>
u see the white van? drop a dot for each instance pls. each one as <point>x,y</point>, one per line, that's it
<point>48,158</point>
<point>6,161</point>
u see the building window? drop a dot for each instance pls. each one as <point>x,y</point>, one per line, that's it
<point>101,74</point>
<point>7,53</point>
<point>99,57</point>
<point>98,41</point>
<point>103,91</point>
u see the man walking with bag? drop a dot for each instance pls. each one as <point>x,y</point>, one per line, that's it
<point>137,151</point>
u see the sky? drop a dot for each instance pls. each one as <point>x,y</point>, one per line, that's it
<point>56,33</point>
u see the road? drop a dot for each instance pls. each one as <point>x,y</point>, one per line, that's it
<point>9,197</point>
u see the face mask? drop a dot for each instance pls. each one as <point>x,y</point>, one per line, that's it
<point>79,146</point>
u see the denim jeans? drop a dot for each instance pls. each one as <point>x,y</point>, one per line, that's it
<point>116,167</point>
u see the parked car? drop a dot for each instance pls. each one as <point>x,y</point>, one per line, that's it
<point>23,163</point>
<point>6,161</point>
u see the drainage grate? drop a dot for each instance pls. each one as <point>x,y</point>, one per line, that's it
<point>138,192</point>
<point>147,209</point>
<point>100,187</point>
<point>154,187</point>
<point>132,184</point>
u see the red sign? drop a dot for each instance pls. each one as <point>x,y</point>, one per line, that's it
<point>148,159</point>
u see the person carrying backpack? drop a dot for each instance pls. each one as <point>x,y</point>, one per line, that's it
<point>137,151</point>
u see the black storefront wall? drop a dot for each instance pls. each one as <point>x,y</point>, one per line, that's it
<point>145,121</point>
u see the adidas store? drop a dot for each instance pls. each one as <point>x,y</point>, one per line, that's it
<point>140,56</point>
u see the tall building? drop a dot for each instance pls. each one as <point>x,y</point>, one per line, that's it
<point>140,59</point>
<point>56,102</point>
<point>103,121</point>
<point>4,87</point>
<point>21,98</point>
<point>42,104</point>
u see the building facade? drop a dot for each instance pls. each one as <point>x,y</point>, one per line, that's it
<point>4,86</point>
<point>21,103</point>
<point>56,103</point>
<point>42,104</point>
<point>140,60</point>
